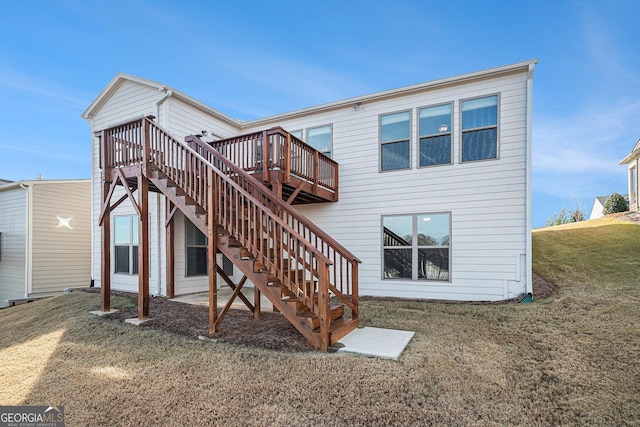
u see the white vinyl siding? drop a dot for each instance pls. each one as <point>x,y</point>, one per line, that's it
<point>13,226</point>
<point>61,236</point>
<point>487,200</point>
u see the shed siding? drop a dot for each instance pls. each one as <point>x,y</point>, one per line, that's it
<point>13,226</point>
<point>61,255</point>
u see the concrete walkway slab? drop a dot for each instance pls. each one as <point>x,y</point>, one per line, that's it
<point>103,313</point>
<point>376,342</point>
<point>136,321</point>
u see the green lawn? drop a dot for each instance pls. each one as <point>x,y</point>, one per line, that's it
<point>571,359</point>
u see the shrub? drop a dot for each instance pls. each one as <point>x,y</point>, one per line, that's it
<point>615,203</point>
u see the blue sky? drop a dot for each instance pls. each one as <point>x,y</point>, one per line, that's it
<point>253,59</point>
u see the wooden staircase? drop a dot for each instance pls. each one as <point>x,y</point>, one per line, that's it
<point>308,277</point>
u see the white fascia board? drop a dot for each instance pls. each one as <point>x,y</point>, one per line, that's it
<point>120,78</point>
<point>406,90</point>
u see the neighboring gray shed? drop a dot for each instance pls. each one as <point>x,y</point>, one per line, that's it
<point>45,238</point>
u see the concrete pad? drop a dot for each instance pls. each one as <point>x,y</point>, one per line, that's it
<point>376,342</point>
<point>103,313</point>
<point>135,321</point>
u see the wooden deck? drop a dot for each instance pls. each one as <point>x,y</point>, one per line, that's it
<point>290,260</point>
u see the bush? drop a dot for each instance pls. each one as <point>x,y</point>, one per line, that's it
<point>615,203</point>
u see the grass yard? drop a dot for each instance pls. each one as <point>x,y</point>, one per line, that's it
<point>570,359</point>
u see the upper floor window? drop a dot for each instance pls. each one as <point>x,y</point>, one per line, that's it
<point>480,128</point>
<point>435,135</point>
<point>125,240</point>
<point>320,139</point>
<point>416,247</point>
<point>395,137</point>
<point>297,133</point>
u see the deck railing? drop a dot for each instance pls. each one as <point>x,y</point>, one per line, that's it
<point>294,250</point>
<point>344,264</point>
<point>283,152</point>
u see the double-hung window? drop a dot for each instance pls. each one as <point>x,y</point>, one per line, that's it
<point>196,250</point>
<point>435,135</point>
<point>125,238</point>
<point>395,141</point>
<point>320,139</point>
<point>416,247</point>
<point>480,128</point>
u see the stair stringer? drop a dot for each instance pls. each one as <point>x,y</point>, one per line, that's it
<point>260,279</point>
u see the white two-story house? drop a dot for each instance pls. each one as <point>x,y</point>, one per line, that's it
<point>429,187</point>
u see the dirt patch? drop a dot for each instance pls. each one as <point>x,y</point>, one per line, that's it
<point>271,331</point>
<point>542,288</point>
<point>628,216</point>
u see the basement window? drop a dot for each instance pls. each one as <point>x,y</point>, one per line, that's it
<point>196,253</point>
<point>416,247</point>
<point>125,238</point>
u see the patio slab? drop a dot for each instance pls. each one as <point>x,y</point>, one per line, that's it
<point>375,342</point>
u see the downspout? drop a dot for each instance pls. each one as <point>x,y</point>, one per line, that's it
<point>28,285</point>
<point>93,208</point>
<point>159,219</point>
<point>528,180</point>
<point>164,97</point>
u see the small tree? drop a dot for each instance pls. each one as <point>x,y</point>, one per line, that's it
<point>559,219</point>
<point>615,203</point>
<point>565,217</point>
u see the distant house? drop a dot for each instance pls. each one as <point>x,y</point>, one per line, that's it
<point>598,206</point>
<point>633,163</point>
<point>45,238</point>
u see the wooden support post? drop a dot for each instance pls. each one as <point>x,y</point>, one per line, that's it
<point>105,272</point>
<point>211,252</point>
<point>256,302</point>
<point>265,156</point>
<point>143,248</point>
<point>170,259</point>
<point>323,301</point>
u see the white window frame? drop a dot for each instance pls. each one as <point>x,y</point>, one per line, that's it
<point>421,136</point>
<point>326,153</point>
<point>132,258</point>
<point>409,140</point>
<point>479,128</point>
<point>415,248</point>
<point>187,224</point>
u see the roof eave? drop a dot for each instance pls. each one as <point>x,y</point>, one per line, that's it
<point>507,69</point>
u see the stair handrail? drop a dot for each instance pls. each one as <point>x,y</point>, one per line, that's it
<point>143,143</point>
<point>310,231</point>
<point>268,196</point>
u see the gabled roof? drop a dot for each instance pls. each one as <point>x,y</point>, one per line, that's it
<point>120,78</point>
<point>635,153</point>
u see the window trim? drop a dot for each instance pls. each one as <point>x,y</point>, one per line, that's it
<point>186,250</point>
<point>415,247</point>
<point>496,126</point>
<point>130,245</point>
<point>410,140</point>
<point>330,126</point>
<point>451,135</point>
